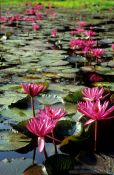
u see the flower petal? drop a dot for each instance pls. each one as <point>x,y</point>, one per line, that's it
<point>41,143</point>
<point>89,121</point>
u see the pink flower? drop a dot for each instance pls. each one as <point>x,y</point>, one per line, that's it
<point>73,32</point>
<point>95,77</point>
<point>95,110</point>
<point>54,33</point>
<point>33,89</point>
<point>79,30</point>
<point>77,43</point>
<point>90,43</point>
<point>35,27</point>
<point>39,16</point>
<point>82,24</point>
<point>112,46</point>
<point>98,52</point>
<point>55,113</point>
<point>41,127</point>
<point>92,94</point>
<point>89,33</point>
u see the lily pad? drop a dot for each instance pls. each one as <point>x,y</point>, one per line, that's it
<point>59,164</point>
<point>12,140</point>
<point>50,99</point>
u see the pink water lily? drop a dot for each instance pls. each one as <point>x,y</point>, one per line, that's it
<point>54,33</point>
<point>112,46</point>
<point>33,89</point>
<point>41,127</point>
<point>82,24</point>
<point>92,94</point>
<point>97,53</point>
<point>55,113</point>
<point>35,27</point>
<point>95,110</point>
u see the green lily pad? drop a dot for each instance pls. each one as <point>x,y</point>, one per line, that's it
<point>67,128</point>
<point>74,96</point>
<point>50,99</point>
<point>109,85</point>
<point>59,164</point>
<point>12,140</point>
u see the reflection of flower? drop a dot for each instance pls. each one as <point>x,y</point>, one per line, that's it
<point>41,127</point>
<point>55,113</point>
<point>95,110</point>
<point>33,89</point>
<point>95,77</point>
<point>92,94</point>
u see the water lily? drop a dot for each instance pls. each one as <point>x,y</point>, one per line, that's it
<point>33,89</point>
<point>54,33</point>
<point>112,46</point>
<point>82,24</point>
<point>55,113</point>
<point>35,27</point>
<point>92,94</point>
<point>90,33</point>
<point>41,127</point>
<point>97,53</point>
<point>95,110</point>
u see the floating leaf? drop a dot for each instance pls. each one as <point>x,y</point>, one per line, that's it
<point>12,140</point>
<point>74,96</point>
<point>59,164</point>
<point>50,99</point>
<point>67,128</point>
<point>35,170</point>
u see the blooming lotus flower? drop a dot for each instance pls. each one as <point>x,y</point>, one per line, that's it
<point>33,89</point>
<point>41,127</point>
<point>89,33</point>
<point>95,110</point>
<point>55,113</point>
<point>90,43</point>
<point>35,27</point>
<point>92,94</point>
<point>82,24</point>
<point>97,53</point>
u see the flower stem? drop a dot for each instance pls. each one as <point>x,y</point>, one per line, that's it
<point>34,154</point>
<point>33,111</point>
<point>45,153</point>
<point>54,143</point>
<point>95,143</point>
<point>32,104</point>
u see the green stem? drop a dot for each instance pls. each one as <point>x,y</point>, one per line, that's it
<point>33,111</point>
<point>95,143</point>
<point>32,104</point>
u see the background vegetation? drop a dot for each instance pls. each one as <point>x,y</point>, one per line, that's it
<point>91,4</point>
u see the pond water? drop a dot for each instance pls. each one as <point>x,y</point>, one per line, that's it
<point>35,55</point>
